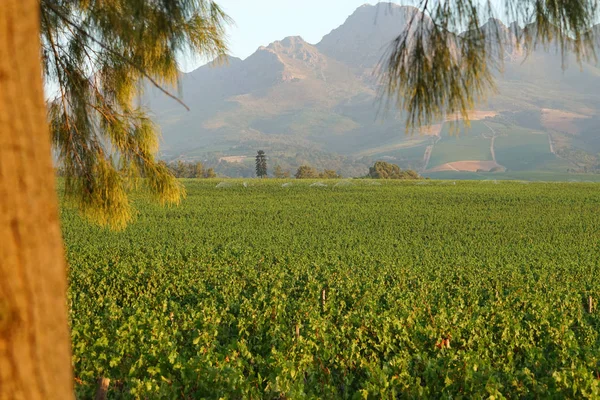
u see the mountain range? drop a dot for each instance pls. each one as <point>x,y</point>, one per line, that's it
<point>319,104</point>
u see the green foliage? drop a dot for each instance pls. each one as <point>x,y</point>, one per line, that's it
<point>199,170</point>
<point>100,54</point>
<point>181,169</point>
<point>431,71</point>
<point>306,172</point>
<point>261,164</point>
<point>329,174</point>
<point>279,173</point>
<point>210,173</point>
<point>385,170</point>
<point>435,297</point>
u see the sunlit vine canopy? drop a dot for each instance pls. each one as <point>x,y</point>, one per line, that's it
<point>443,62</point>
<point>99,54</point>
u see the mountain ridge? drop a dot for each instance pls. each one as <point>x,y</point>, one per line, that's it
<point>291,97</point>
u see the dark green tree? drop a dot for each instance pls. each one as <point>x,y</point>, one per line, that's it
<point>261,164</point>
<point>385,170</point>
<point>101,55</point>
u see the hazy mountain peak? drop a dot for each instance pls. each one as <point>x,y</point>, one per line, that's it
<point>288,42</point>
<point>291,58</point>
<point>374,14</point>
<point>381,4</point>
<point>292,41</point>
<point>496,31</point>
<point>494,23</point>
<point>293,46</point>
<point>363,38</point>
<point>294,49</point>
<point>515,28</point>
<point>226,60</point>
<point>218,62</point>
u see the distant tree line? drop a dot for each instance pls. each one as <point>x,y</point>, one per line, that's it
<point>179,169</point>
<point>196,169</point>
<point>288,158</point>
<point>308,172</point>
<point>279,173</point>
<point>285,160</point>
<point>185,169</point>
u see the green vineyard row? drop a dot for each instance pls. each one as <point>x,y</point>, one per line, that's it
<point>398,290</point>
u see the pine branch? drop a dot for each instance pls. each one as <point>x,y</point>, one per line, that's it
<point>63,98</point>
<point>113,52</point>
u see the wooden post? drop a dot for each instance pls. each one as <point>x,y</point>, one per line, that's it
<point>102,390</point>
<point>297,331</point>
<point>323,299</point>
<point>590,304</point>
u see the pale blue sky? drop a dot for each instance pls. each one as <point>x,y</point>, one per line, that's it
<point>260,22</point>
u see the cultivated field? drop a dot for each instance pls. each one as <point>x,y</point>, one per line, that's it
<point>459,144</point>
<point>562,121</point>
<point>394,290</point>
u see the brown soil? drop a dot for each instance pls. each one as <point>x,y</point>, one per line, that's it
<point>467,166</point>
<point>233,159</point>
<point>562,121</point>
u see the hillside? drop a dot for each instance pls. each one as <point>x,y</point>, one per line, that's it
<point>318,104</point>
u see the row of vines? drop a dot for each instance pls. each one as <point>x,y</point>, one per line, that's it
<point>255,291</point>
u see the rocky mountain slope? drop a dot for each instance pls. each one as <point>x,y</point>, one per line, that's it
<point>319,104</point>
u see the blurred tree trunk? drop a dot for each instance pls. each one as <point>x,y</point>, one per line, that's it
<point>35,360</point>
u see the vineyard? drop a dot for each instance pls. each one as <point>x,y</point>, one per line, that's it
<point>398,290</point>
